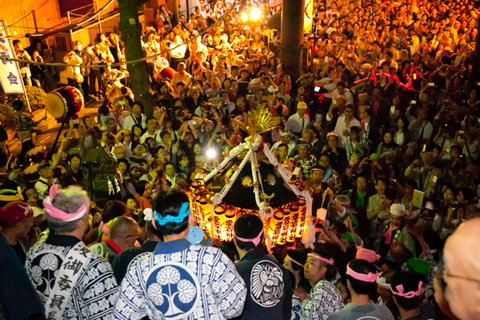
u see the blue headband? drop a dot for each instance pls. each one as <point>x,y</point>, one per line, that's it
<point>184,211</point>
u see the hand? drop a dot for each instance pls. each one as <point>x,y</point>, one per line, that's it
<point>329,191</point>
<point>71,123</point>
<point>301,293</point>
<point>460,213</point>
<point>32,203</point>
<point>450,211</point>
<point>385,205</point>
<point>416,231</point>
<point>348,172</point>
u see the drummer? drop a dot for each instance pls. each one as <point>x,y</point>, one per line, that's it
<point>45,181</point>
<point>25,126</point>
<point>111,79</point>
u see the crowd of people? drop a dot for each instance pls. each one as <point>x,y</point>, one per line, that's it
<point>381,127</point>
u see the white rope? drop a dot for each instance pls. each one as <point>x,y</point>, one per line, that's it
<point>218,197</point>
<point>232,154</point>
<point>287,175</point>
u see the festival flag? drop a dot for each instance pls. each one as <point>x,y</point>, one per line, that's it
<point>10,78</point>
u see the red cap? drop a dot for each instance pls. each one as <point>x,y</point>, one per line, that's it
<point>15,211</point>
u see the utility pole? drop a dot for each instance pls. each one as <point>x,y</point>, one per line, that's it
<point>293,16</point>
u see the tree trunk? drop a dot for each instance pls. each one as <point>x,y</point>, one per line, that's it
<point>131,30</point>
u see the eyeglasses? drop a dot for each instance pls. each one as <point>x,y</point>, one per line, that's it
<point>132,235</point>
<point>446,274</point>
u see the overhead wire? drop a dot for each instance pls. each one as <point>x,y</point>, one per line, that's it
<point>66,28</point>
<point>31,12</point>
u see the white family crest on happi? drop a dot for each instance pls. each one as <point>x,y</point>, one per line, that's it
<point>173,290</point>
<point>266,281</point>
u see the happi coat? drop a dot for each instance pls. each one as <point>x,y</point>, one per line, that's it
<point>322,301</point>
<point>95,291</point>
<point>181,281</point>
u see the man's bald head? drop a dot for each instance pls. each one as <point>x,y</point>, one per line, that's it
<point>398,250</point>
<point>462,259</point>
<point>124,232</point>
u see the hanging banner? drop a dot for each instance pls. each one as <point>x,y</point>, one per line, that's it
<point>10,78</point>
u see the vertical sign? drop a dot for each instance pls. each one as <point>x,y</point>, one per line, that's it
<point>10,78</point>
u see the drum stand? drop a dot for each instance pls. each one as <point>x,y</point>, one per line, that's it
<point>52,151</point>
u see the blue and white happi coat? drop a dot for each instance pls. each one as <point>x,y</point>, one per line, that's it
<point>322,301</point>
<point>181,281</point>
<point>94,293</point>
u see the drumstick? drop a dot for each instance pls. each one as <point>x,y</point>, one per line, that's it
<point>15,163</point>
<point>10,158</point>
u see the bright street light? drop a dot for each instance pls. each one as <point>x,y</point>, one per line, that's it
<point>255,14</point>
<point>244,16</point>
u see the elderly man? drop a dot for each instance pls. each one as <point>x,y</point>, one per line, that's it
<point>461,257</point>
<point>324,299</point>
<point>394,229</point>
<point>178,278</point>
<point>154,236</point>
<point>123,235</point>
<point>298,121</point>
<point>72,281</point>
<point>180,76</point>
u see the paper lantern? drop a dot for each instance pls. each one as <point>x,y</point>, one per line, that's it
<point>292,230</point>
<point>230,219</point>
<point>218,221</point>
<point>282,238</point>
<point>275,225</point>
<point>198,184</point>
<point>302,217</point>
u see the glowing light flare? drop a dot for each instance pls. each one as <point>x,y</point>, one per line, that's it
<point>211,153</point>
<point>255,14</point>
<point>244,16</point>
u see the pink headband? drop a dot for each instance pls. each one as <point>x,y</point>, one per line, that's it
<point>409,294</point>
<point>59,214</point>
<point>369,277</point>
<point>328,261</point>
<point>366,254</point>
<point>296,262</point>
<point>255,240</point>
